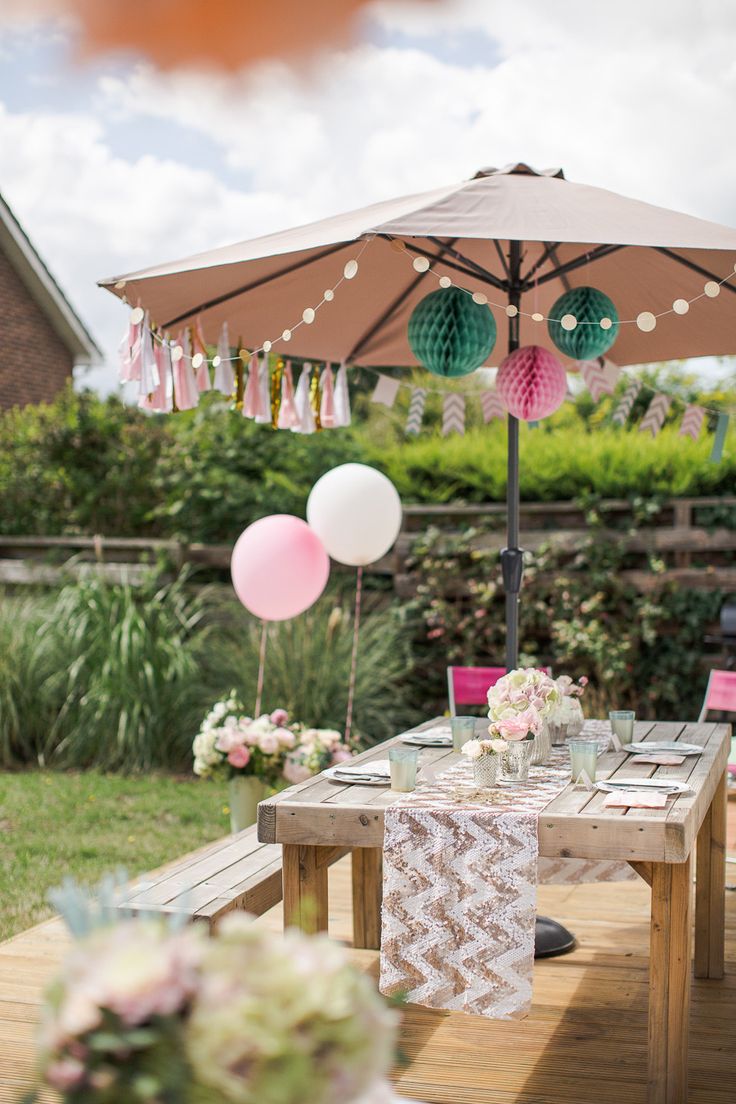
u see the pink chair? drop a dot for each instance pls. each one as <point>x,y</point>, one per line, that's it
<point>720,694</point>
<point>470,685</point>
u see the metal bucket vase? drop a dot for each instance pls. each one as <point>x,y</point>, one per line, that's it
<point>542,746</point>
<point>485,771</point>
<point>245,792</point>
<point>515,761</point>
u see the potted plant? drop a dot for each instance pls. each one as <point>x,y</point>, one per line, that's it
<point>485,757</point>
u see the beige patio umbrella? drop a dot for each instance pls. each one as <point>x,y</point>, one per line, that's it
<point>520,236</point>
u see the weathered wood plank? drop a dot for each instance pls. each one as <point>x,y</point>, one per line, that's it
<point>710,880</point>
<point>669,983</point>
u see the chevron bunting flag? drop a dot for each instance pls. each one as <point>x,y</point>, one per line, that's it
<point>623,410</point>
<point>720,438</point>
<point>453,415</point>
<point>491,406</point>
<point>692,422</point>
<point>385,391</point>
<point>601,376</point>
<point>416,410</point>
<point>653,420</point>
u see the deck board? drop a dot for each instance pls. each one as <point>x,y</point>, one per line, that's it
<point>584,1041</point>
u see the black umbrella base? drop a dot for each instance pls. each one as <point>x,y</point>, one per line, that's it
<point>551,939</point>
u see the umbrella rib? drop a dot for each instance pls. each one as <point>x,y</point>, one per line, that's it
<point>392,308</point>
<point>597,254</point>
<point>550,250</point>
<point>502,259</point>
<point>468,267</point>
<point>255,284</point>
<point>695,267</point>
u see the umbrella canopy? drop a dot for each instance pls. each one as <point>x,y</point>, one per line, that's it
<point>644,257</point>
<point>521,237</point>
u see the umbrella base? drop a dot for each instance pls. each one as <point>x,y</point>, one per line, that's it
<point>551,939</point>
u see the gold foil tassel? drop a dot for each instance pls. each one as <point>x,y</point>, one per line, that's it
<point>276,377</point>
<point>314,398</point>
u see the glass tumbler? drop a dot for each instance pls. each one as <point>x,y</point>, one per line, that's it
<point>622,723</point>
<point>583,757</point>
<point>403,763</point>
<point>463,729</point>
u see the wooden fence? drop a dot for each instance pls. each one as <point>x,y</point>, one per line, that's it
<point>690,551</point>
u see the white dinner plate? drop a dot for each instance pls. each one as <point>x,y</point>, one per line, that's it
<point>652,784</point>
<point>351,776</point>
<point>431,739</point>
<point>640,747</point>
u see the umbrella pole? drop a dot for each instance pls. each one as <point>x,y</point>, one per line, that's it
<point>512,562</point>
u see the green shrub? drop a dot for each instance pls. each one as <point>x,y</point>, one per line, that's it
<point>27,708</point>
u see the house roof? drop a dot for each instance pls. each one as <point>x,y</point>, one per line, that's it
<point>31,269</point>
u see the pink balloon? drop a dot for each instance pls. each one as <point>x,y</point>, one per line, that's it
<point>279,567</point>
<point>531,383</point>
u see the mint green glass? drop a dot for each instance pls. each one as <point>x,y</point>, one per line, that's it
<point>403,763</point>
<point>583,757</point>
<point>463,729</point>
<point>622,723</point>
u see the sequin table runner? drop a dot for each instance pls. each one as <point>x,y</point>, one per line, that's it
<point>459,895</point>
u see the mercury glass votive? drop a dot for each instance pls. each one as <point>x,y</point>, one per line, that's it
<point>583,757</point>
<point>463,729</point>
<point>622,723</point>
<point>403,763</point>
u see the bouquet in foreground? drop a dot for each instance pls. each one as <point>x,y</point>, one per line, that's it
<point>142,1013</point>
<point>518,706</point>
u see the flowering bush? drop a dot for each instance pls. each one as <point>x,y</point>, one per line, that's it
<point>143,1014</point>
<point>519,702</point>
<point>230,743</point>
<point>475,749</point>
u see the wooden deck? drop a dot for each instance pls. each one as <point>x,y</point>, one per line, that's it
<point>585,1040</point>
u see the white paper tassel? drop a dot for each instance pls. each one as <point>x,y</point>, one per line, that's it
<point>263,417</point>
<point>303,406</point>
<point>342,397</point>
<point>385,391</point>
<point>149,378</point>
<point>224,374</point>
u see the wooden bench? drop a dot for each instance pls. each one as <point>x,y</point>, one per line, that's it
<point>236,872</point>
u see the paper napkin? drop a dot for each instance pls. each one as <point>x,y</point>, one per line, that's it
<point>635,799</point>
<point>662,759</point>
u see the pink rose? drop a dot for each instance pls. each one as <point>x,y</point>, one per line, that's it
<point>65,1074</point>
<point>285,737</point>
<point>239,757</point>
<point>268,743</point>
<point>341,755</point>
<point>228,740</point>
<point>583,680</point>
<point>279,717</point>
<point>517,727</point>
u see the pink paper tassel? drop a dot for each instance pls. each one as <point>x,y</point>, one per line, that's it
<point>203,376</point>
<point>185,385</point>
<point>252,394</point>
<point>288,417</point>
<point>149,378</point>
<point>327,404</point>
<point>133,359</point>
<point>224,375</point>
<point>160,399</point>
<point>263,417</point>
<point>305,414</point>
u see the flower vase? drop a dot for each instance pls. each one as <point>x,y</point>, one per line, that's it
<point>515,761</point>
<point>485,771</point>
<point>541,746</point>
<point>245,792</point>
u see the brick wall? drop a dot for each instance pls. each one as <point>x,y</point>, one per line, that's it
<point>34,362</point>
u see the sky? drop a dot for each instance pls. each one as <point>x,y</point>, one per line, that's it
<point>111,165</point>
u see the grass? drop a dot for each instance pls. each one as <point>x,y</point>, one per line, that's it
<point>54,825</point>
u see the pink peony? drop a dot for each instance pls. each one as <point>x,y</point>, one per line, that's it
<point>279,717</point>
<point>517,727</point>
<point>228,740</point>
<point>296,772</point>
<point>65,1074</point>
<point>285,737</point>
<point>268,743</point>
<point>341,755</point>
<point>239,757</point>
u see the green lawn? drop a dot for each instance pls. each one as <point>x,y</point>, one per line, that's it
<point>54,824</point>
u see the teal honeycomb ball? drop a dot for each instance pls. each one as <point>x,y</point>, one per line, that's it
<point>450,334</point>
<point>587,339</point>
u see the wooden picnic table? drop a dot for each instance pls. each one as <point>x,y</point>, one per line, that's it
<point>318,820</point>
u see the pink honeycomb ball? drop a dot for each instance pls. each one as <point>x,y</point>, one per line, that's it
<point>531,383</point>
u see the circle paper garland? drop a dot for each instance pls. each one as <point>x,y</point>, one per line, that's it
<point>450,334</point>
<point>584,323</point>
<point>531,383</point>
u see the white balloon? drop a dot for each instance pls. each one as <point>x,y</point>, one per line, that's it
<point>356,513</point>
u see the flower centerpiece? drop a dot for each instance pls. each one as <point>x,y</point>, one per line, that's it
<point>143,1014</point>
<point>518,705</point>
<point>485,756</point>
<point>566,718</point>
<point>257,753</point>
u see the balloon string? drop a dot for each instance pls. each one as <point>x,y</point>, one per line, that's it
<point>354,657</point>
<point>261,667</point>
